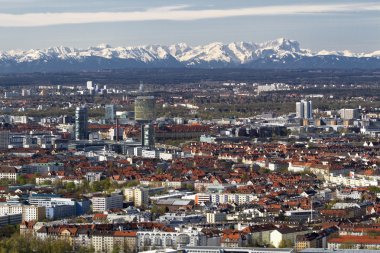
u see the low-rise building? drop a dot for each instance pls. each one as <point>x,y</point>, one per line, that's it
<point>351,181</point>
<point>233,239</point>
<point>237,198</point>
<point>355,242</point>
<point>234,250</point>
<point>286,236</point>
<point>8,173</point>
<point>215,217</point>
<point>29,212</point>
<point>10,219</point>
<point>147,240</point>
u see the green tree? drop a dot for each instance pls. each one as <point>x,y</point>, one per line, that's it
<point>158,210</point>
<point>19,244</point>
<point>8,230</point>
<point>132,183</point>
<point>23,179</point>
<point>190,187</point>
<point>116,249</point>
<point>70,187</point>
<point>96,186</point>
<point>285,244</point>
<point>374,189</point>
<point>47,182</point>
<point>4,182</point>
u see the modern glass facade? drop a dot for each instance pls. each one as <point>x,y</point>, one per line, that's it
<point>81,123</point>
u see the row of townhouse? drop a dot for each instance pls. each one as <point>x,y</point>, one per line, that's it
<point>351,181</point>
<point>148,240</point>
<point>8,173</point>
<point>102,241</point>
<point>11,173</point>
<point>263,235</point>
<point>29,212</point>
<point>223,198</point>
<point>105,241</point>
<point>355,242</point>
<point>174,184</point>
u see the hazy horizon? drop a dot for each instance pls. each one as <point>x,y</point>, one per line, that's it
<point>323,25</point>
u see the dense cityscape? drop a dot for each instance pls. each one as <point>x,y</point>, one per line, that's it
<point>151,169</point>
<point>176,126</point>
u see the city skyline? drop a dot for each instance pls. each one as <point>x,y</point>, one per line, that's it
<point>189,126</point>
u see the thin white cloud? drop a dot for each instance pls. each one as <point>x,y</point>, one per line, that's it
<point>174,13</point>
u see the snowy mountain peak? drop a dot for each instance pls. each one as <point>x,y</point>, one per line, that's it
<point>282,44</point>
<point>177,50</point>
<point>277,53</point>
<point>103,46</point>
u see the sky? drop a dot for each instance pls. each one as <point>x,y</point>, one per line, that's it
<point>317,25</point>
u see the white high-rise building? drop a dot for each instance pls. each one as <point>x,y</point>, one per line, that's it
<point>299,110</point>
<point>90,85</point>
<point>304,109</point>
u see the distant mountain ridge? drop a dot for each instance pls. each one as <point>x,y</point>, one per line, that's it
<point>278,54</point>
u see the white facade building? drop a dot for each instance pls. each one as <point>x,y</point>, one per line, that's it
<point>304,109</point>
<point>147,240</point>
<point>104,203</point>
<point>139,196</point>
<point>29,212</point>
<point>348,114</point>
<point>351,181</point>
<point>237,198</point>
<point>9,173</point>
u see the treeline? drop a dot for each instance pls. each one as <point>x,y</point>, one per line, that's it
<point>56,112</point>
<point>20,244</point>
<point>165,76</point>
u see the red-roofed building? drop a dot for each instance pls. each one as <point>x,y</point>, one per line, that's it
<point>233,239</point>
<point>354,242</point>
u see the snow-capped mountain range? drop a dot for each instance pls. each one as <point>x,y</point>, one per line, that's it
<point>280,53</point>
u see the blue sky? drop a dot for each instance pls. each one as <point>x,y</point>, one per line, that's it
<point>317,25</point>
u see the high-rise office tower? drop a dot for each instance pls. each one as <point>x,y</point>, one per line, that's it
<point>90,85</point>
<point>81,123</point>
<point>110,113</point>
<point>145,109</point>
<point>304,109</point>
<point>299,110</point>
<point>147,136</point>
<point>4,139</point>
<point>141,87</point>
<point>308,109</point>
